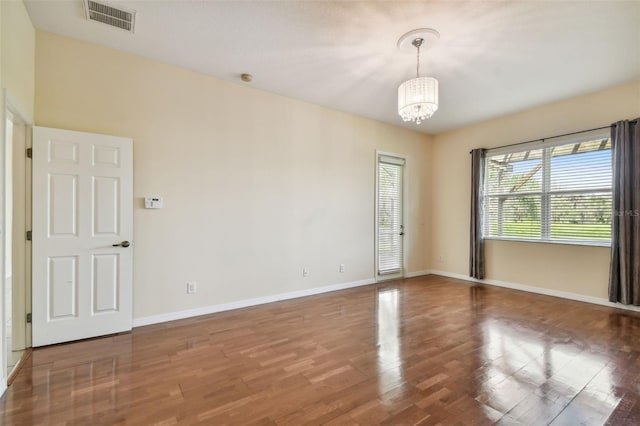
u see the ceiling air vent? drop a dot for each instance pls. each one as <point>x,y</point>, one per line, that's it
<point>116,17</point>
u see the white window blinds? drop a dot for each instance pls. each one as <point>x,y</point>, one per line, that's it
<point>550,192</point>
<point>390,227</point>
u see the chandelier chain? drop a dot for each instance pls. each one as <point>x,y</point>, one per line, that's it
<point>417,43</point>
<point>418,61</point>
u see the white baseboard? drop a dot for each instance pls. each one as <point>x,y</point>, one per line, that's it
<point>454,275</point>
<point>171,316</point>
<point>205,310</point>
<point>539,290</point>
<point>416,274</point>
<point>3,386</point>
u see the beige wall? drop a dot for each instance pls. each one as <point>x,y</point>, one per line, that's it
<point>18,39</point>
<point>256,186</point>
<point>569,268</point>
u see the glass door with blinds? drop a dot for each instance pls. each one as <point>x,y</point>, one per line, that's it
<point>389,217</point>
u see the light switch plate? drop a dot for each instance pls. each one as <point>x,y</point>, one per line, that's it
<point>152,203</point>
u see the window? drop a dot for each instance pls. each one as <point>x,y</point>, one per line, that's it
<point>550,191</point>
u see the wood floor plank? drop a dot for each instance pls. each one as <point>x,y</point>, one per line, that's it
<point>422,351</point>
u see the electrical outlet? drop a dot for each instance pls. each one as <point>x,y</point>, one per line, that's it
<point>440,259</point>
<point>192,287</point>
<point>305,272</point>
<point>342,267</point>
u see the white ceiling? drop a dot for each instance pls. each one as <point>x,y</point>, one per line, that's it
<point>493,58</point>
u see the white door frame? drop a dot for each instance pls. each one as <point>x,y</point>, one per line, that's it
<point>405,203</point>
<point>21,223</point>
<point>18,114</point>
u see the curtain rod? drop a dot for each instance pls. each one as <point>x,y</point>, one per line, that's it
<point>557,136</point>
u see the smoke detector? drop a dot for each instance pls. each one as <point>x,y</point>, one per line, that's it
<point>118,17</point>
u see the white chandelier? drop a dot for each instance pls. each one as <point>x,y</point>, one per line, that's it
<point>418,97</point>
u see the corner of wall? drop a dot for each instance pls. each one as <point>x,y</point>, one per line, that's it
<point>428,209</point>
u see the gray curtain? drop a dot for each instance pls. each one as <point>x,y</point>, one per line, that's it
<point>476,250</point>
<point>624,275</point>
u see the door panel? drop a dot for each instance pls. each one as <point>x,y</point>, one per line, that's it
<point>82,206</point>
<point>62,152</point>
<point>63,292</point>
<point>63,205</point>
<point>106,269</point>
<point>106,200</point>
<point>108,156</point>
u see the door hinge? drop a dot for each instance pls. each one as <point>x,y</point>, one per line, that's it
<point>29,235</point>
<point>29,318</point>
<point>29,152</point>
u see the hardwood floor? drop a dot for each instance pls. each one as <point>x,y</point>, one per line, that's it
<point>422,351</point>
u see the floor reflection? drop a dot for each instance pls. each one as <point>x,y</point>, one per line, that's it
<point>388,340</point>
<point>525,373</point>
<point>85,385</point>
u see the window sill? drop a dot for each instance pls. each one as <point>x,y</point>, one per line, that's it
<point>563,242</point>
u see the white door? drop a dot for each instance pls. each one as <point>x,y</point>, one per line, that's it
<point>390,217</point>
<point>82,232</point>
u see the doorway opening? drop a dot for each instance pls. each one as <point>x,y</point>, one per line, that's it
<point>390,229</point>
